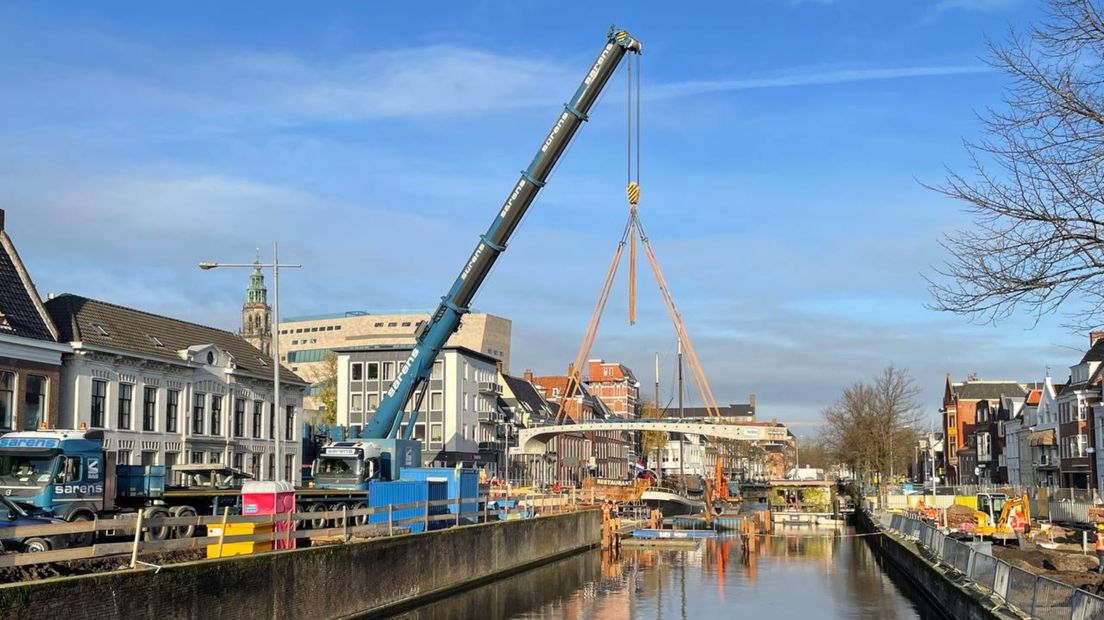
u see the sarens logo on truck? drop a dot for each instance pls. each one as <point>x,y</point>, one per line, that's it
<point>29,442</point>
<point>79,489</point>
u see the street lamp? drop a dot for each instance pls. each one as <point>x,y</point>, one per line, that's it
<point>276,266</point>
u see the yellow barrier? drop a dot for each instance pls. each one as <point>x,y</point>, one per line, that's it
<point>239,548</point>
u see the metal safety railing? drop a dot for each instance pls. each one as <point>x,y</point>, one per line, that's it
<point>1033,595</point>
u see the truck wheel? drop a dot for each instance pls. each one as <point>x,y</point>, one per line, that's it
<point>317,523</point>
<point>362,519</point>
<point>35,545</point>
<point>81,539</point>
<point>158,532</point>
<point>183,531</point>
<point>337,521</point>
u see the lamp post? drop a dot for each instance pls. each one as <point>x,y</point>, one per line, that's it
<point>276,266</point>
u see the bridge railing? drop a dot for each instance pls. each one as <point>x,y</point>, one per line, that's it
<point>1036,596</point>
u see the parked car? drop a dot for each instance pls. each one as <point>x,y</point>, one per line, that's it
<point>13,515</point>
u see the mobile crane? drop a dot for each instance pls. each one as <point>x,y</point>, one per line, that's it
<point>379,441</point>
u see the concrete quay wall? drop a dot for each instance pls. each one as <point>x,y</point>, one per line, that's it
<point>902,559</point>
<point>357,579</point>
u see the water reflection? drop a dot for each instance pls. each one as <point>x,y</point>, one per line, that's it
<point>797,573</point>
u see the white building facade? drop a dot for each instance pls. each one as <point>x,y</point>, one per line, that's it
<point>459,420</point>
<point>169,392</point>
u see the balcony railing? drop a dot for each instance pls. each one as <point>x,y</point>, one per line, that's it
<point>490,387</point>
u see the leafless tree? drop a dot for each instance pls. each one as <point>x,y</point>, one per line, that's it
<point>1036,186</point>
<point>870,427</point>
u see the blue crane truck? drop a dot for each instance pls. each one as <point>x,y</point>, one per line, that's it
<point>362,451</point>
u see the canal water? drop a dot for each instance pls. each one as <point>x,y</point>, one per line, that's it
<point>807,573</point>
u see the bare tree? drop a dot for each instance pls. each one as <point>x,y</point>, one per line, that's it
<point>870,427</point>
<point>1036,185</point>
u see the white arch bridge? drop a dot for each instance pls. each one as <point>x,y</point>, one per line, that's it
<point>535,440</point>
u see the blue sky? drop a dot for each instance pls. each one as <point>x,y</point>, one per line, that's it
<point>783,145</point>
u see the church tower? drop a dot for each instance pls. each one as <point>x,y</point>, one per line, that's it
<point>256,315</point>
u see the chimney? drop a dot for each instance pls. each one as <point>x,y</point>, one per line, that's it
<point>1093,336</point>
<point>527,375</point>
<point>751,401</point>
<point>973,377</point>
<point>1,220</point>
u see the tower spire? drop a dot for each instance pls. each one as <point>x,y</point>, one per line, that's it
<point>256,323</point>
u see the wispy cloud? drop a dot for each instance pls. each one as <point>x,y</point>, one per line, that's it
<point>975,5</point>
<point>809,78</point>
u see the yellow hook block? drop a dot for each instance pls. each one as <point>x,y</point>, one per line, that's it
<point>633,192</point>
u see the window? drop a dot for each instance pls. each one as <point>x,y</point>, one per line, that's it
<point>290,425</point>
<point>465,371</point>
<point>172,411</point>
<point>214,457</point>
<point>378,325</point>
<point>171,459</point>
<point>272,421</point>
<point>197,457</point>
<point>272,467</point>
<point>357,373</point>
<point>436,401</point>
<point>258,414</point>
<point>7,399</point>
<point>198,407</point>
<point>438,369</point>
<point>373,401</point>
<point>122,457</point>
<point>388,371</point>
<point>70,470</point>
<point>467,402</point>
<point>216,415</point>
<point>373,370</point>
<point>435,434</point>
<point>239,417</point>
<point>34,402</point>
<point>238,461</point>
<point>149,408</point>
<point>289,465</point>
<point>149,458</point>
<point>126,397</point>
<point>99,403</point>
<point>406,324</point>
<point>393,324</point>
<point>356,402</point>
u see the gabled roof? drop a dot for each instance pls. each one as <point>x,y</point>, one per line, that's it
<point>99,323</point>
<point>1034,396</point>
<point>525,393</point>
<point>21,311</point>
<point>988,390</point>
<point>1095,352</point>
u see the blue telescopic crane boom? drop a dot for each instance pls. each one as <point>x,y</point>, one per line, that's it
<point>387,420</point>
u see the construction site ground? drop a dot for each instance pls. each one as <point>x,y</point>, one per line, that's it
<point>1067,562</point>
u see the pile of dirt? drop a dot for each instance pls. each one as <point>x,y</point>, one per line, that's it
<point>14,574</point>
<point>957,514</point>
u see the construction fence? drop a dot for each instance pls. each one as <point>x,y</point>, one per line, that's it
<point>135,535</point>
<point>1027,593</point>
<point>1058,505</point>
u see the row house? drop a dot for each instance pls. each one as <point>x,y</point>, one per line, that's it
<point>30,354</point>
<point>974,413</point>
<point>166,391</point>
<point>1079,397</point>
<point>603,455</point>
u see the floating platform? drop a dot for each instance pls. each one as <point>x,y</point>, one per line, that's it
<point>698,523</point>
<point>682,534</point>
<point>660,543</point>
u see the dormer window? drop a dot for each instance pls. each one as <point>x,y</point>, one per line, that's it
<point>210,357</point>
<point>4,323</point>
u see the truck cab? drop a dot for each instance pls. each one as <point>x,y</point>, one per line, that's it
<point>351,465</point>
<point>62,472</point>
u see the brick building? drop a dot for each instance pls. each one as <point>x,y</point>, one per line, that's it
<point>30,354</point>
<point>1075,418</point>
<point>973,411</point>
<point>616,386</point>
